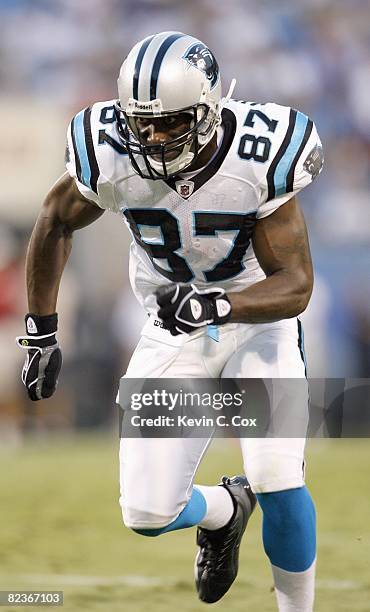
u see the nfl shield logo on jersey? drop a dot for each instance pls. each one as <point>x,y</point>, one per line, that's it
<point>185,188</point>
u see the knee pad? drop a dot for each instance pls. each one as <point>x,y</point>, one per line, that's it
<point>149,524</point>
<point>272,470</point>
<point>154,517</point>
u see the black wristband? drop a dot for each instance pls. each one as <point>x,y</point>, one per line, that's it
<point>41,325</point>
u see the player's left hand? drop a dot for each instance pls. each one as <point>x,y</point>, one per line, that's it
<point>184,308</point>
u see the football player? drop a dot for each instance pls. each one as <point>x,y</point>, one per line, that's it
<point>220,261</point>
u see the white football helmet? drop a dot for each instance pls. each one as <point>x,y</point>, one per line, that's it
<point>166,74</point>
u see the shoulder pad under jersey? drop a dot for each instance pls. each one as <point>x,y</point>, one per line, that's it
<point>95,157</point>
<point>283,151</point>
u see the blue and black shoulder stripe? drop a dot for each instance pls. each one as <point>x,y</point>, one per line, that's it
<point>296,160</point>
<point>81,159</point>
<point>285,150</point>
<point>92,147</point>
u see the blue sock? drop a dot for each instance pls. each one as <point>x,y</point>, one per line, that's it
<point>191,515</point>
<point>289,528</point>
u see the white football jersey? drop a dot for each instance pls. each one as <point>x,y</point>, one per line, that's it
<point>197,229</point>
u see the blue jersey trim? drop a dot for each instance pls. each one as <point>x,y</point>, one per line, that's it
<point>81,151</point>
<point>213,332</point>
<point>283,167</point>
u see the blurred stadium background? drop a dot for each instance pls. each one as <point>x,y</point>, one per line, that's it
<point>56,58</point>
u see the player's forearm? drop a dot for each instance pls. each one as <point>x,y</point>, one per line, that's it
<point>48,251</point>
<point>280,296</point>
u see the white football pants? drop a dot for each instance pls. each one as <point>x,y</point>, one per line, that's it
<point>156,475</point>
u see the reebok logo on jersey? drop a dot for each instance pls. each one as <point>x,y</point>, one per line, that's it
<point>223,307</point>
<point>31,326</point>
<point>196,309</point>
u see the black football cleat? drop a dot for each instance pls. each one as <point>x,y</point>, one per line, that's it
<point>217,562</point>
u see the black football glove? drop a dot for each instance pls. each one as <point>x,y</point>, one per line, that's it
<point>184,308</point>
<point>44,358</point>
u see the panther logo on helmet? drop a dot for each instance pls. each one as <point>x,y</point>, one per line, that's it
<point>203,59</point>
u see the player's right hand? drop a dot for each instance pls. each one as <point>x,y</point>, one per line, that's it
<point>44,358</point>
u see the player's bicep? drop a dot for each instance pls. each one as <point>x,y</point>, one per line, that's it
<point>281,244</point>
<point>66,207</point>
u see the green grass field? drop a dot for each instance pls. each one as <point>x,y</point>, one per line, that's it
<point>61,529</point>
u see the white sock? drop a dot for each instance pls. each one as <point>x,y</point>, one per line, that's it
<point>220,507</point>
<point>295,591</point>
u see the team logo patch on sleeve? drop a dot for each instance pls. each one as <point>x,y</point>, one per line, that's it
<point>199,56</point>
<point>314,161</point>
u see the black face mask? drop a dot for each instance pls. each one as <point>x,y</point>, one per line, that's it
<point>138,150</point>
